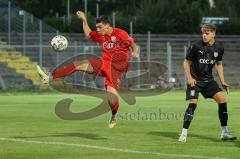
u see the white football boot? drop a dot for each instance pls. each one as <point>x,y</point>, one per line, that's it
<point>227,136</point>
<point>43,75</point>
<point>112,122</point>
<point>182,138</point>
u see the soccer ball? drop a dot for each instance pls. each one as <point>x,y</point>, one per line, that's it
<point>59,43</point>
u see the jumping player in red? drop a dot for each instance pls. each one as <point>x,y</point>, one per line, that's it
<point>115,44</point>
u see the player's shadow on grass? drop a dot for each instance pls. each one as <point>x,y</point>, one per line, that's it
<point>204,137</point>
<point>172,135</point>
<point>90,136</point>
<point>175,135</point>
<point>237,143</point>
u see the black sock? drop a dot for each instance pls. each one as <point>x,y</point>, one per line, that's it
<point>223,114</point>
<point>189,115</point>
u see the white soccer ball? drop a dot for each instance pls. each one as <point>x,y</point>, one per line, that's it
<point>59,43</point>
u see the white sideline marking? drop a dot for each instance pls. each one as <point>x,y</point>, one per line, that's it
<point>109,148</point>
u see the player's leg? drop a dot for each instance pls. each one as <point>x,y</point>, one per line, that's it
<point>188,117</point>
<point>112,83</point>
<point>83,65</point>
<point>44,76</point>
<point>213,90</point>
<point>78,65</point>
<point>192,96</point>
<point>223,116</point>
<point>113,102</point>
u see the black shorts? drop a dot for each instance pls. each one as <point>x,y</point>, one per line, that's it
<point>207,89</point>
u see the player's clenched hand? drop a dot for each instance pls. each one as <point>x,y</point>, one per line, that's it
<point>191,81</point>
<point>135,55</point>
<point>226,87</point>
<point>81,15</point>
<point>135,52</point>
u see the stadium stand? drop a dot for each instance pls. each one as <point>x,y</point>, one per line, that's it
<point>13,80</point>
<point>158,51</point>
<point>22,65</point>
<point>31,49</point>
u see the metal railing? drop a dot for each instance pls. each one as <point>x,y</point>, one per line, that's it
<point>30,36</point>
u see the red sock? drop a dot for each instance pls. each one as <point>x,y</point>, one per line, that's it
<point>115,108</point>
<point>64,71</point>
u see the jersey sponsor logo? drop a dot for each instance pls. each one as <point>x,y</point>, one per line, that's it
<point>108,45</point>
<point>215,54</point>
<point>206,61</point>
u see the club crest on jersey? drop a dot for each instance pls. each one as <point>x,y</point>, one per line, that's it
<point>215,54</point>
<point>200,51</point>
<point>192,93</point>
<point>113,38</point>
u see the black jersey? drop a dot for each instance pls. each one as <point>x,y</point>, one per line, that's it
<point>203,59</point>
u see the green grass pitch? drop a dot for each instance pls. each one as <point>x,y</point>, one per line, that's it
<point>30,129</point>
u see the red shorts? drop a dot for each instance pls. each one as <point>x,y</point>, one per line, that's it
<point>112,73</point>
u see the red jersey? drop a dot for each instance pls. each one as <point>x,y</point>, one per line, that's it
<point>115,47</point>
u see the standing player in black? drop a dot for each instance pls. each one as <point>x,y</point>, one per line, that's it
<point>198,64</point>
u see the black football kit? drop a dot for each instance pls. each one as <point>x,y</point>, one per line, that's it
<point>203,59</point>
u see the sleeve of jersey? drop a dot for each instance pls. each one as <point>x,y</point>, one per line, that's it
<point>126,38</point>
<point>94,36</point>
<point>191,53</point>
<point>220,56</point>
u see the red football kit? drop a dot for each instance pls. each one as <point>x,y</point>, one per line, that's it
<point>115,56</point>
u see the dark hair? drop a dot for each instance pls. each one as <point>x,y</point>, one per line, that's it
<point>103,20</point>
<point>210,27</point>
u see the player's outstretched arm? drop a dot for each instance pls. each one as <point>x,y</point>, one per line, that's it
<point>135,50</point>
<point>219,68</point>
<point>87,30</point>
<point>191,81</point>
